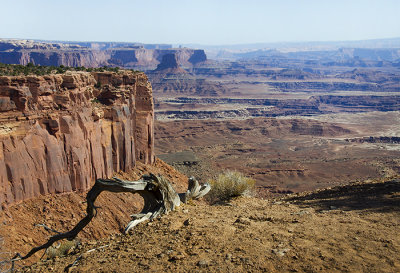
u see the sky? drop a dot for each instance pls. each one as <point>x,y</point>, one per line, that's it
<point>207,22</point>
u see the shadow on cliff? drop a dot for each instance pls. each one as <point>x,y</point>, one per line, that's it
<point>376,197</point>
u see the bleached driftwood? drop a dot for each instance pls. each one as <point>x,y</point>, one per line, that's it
<point>158,194</point>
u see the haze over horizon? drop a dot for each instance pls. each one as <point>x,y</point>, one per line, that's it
<point>207,22</point>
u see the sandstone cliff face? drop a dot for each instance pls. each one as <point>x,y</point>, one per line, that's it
<point>139,57</point>
<point>148,59</point>
<point>58,133</point>
<point>56,58</point>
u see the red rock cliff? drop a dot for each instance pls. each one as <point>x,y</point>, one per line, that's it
<point>58,133</point>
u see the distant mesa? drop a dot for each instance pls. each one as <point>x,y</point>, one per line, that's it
<point>126,55</point>
<point>169,64</point>
<point>168,61</point>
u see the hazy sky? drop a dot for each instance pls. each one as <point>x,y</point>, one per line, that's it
<point>205,22</point>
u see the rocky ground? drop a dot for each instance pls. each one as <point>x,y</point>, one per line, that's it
<point>19,223</point>
<point>351,228</point>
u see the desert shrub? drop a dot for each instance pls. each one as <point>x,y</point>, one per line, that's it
<point>40,70</point>
<point>61,249</point>
<point>230,184</point>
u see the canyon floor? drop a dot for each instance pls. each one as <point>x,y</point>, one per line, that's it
<point>342,229</point>
<point>291,125</point>
<point>286,154</point>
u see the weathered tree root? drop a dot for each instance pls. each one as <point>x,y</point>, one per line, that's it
<point>158,194</point>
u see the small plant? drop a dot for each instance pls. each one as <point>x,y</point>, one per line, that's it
<point>61,249</point>
<point>230,184</point>
<point>40,70</point>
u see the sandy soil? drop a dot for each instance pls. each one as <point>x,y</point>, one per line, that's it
<point>344,229</point>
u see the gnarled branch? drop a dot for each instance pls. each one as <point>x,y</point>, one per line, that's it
<point>158,194</point>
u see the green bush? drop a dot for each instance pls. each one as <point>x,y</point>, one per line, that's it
<point>230,184</point>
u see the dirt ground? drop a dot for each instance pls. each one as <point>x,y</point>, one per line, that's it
<point>18,223</point>
<point>351,228</point>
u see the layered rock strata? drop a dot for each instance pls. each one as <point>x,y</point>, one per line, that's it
<point>122,55</point>
<point>58,133</point>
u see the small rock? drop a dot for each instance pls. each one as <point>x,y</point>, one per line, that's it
<point>179,256</point>
<point>243,221</point>
<point>280,252</point>
<point>187,222</point>
<point>228,257</point>
<point>302,212</point>
<point>203,263</point>
<point>160,255</point>
<point>333,207</point>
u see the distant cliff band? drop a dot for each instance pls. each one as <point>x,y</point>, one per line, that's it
<point>95,54</point>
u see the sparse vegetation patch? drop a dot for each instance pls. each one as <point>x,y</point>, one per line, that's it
<point>230,184</point>
<point>40,70</point>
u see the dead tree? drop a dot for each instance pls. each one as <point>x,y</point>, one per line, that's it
<point>158,194</point>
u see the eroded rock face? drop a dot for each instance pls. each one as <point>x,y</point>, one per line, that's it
<point>119,54</point>
<point>58,133</point>
<point>168,62</point>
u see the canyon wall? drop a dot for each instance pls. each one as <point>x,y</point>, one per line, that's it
<point>60,132</point>
<point>56,54</point>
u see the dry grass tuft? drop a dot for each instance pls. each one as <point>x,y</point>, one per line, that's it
<point>61,249</point>
<point>230,184</point>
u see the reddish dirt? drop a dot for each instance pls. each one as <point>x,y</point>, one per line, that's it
<point>343,229</point>
<point>62,212</point>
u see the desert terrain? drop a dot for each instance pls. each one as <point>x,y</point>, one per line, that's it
<point>292,121</point>
<point>284,154</point>
<point>318,130</point>
<point>342,229</point>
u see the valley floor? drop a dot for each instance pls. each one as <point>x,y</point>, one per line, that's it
<point>290,154</point>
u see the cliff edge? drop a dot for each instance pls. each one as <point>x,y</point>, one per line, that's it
<point>60,132</point>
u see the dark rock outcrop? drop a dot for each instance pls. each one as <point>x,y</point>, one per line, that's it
<point>168,62</point>
<point>58,133</point>
<point>169,65</point>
